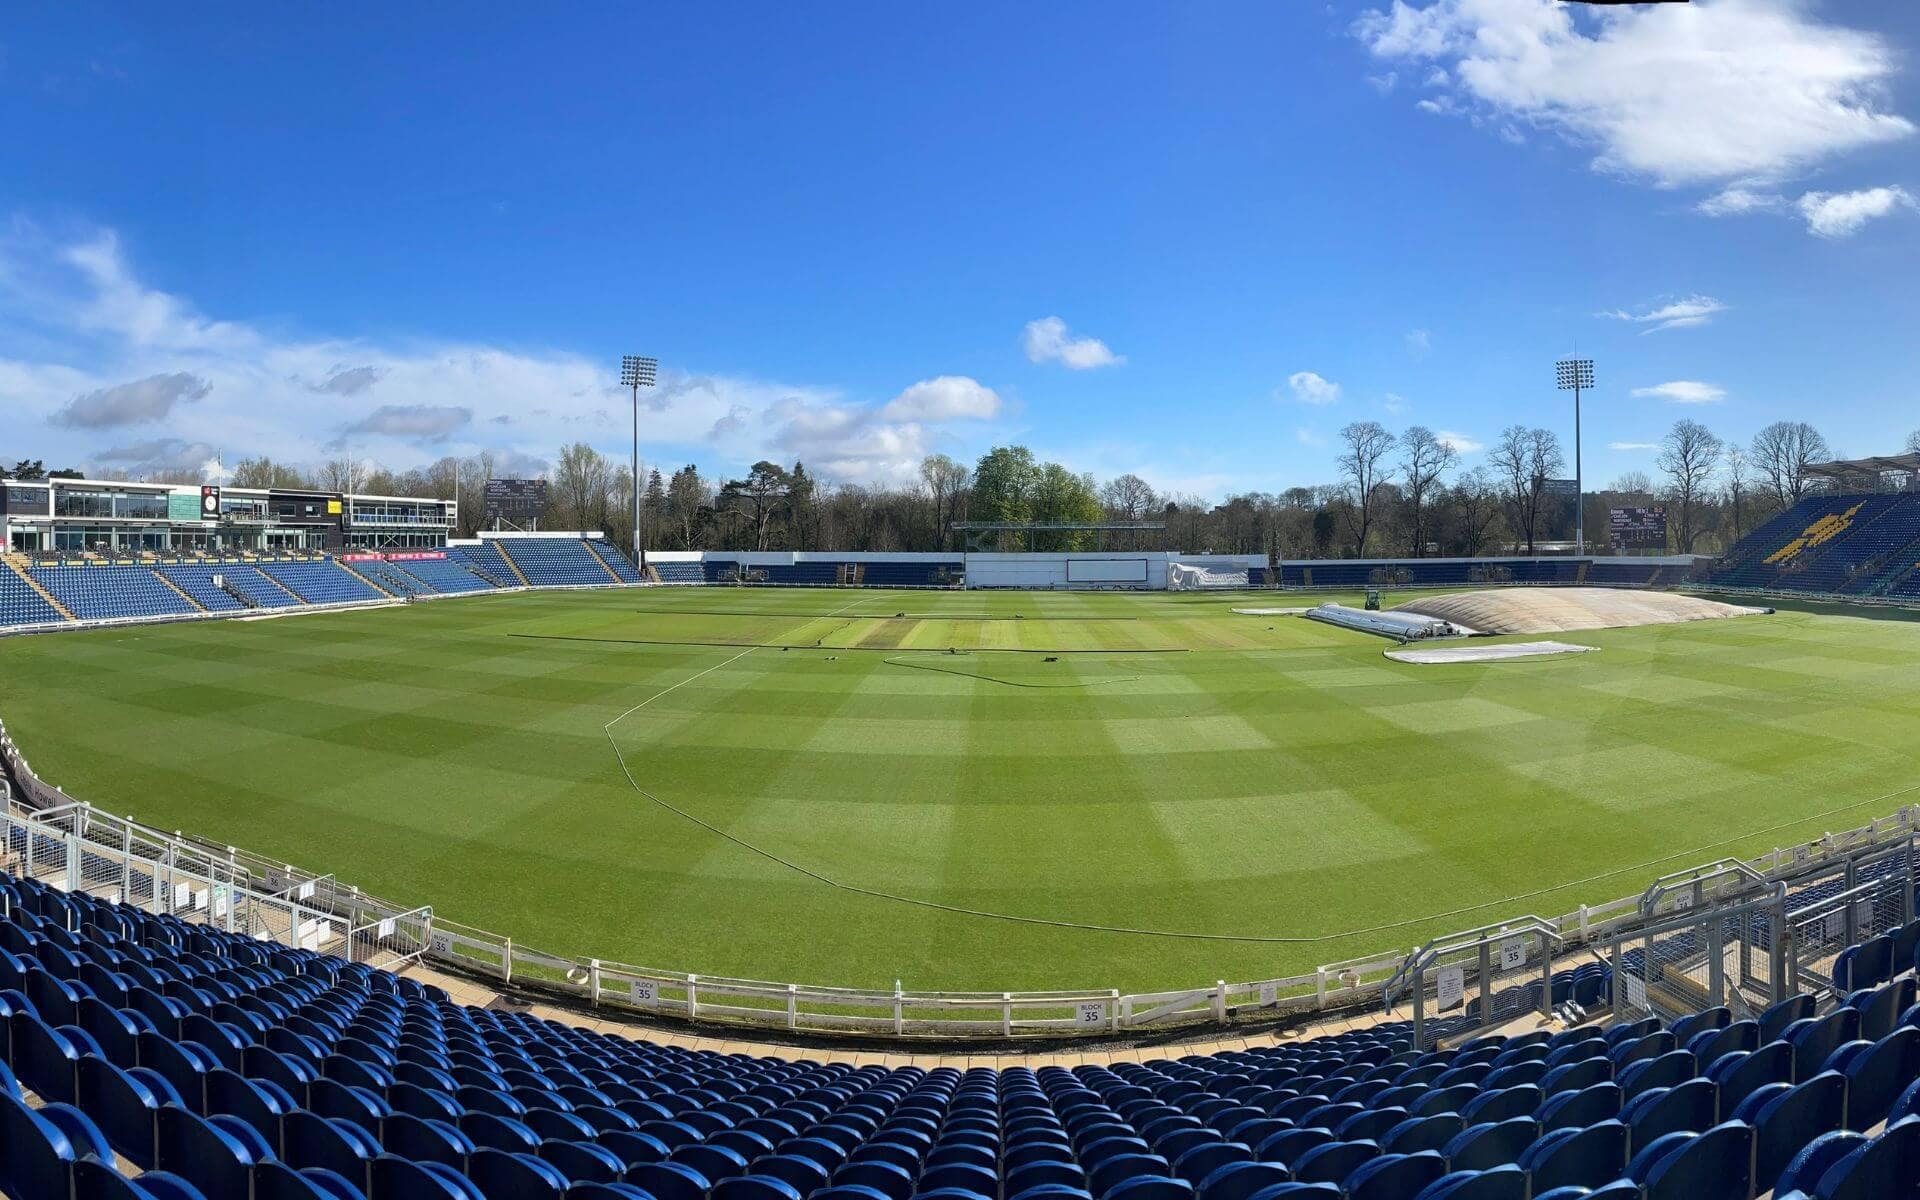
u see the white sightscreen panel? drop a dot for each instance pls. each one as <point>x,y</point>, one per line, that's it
<point>1106,570</point>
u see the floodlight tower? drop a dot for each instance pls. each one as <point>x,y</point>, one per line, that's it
<point>1573,374</point>
<point>637,372</point>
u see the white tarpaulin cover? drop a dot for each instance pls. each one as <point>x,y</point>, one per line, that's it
<point>1184,577</point>
<point>1482,652</point>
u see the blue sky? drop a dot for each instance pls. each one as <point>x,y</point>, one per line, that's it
<point>1187,241</point>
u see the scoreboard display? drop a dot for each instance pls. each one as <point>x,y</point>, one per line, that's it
<point>519,501</point>
<point>1639,528</point>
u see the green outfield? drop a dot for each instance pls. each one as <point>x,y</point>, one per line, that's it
<point>831,796</point>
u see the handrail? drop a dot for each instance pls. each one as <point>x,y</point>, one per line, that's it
<point>1695,880</point>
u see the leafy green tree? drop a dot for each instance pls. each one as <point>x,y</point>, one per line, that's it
<point>1062,498</point>
<point>653,506</point>
<point>1003,486</point>
<point>756,500</point>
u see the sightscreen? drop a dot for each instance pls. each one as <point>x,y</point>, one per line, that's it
<point>1106,570</point>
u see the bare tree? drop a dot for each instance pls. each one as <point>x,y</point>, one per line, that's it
<point>1525,460</point>
<point>1688,455</point>
<point>342,475</point>
<point>1128,498</point>
<point>578,498</point>
<point>1913,442</point>
<point>263,472</point>
<point>1362,470</point>
<point>1739,485</point>
<point>944,480</point>
<point>1783,451</point>
<point>689,501</point>
<point>1424,458</point>
<point>470,502</point>
<point>1633,485</point>
<point>1476,504</point>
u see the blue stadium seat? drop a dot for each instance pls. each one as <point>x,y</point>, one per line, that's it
<point>1506,1182</point>
<point>1887,1167</point>
<point>1588,1156</point>
<point>1814,1039</point>
<point>1393,1176</point>
<point>1878,1073</point>
<point>237,1065</point>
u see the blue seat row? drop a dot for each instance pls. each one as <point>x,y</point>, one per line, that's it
<point>20,604</point>
<point>96,593</point>
<point>555,561</point>
<point>321,582</point>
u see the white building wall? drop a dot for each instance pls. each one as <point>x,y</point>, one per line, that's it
<point>1049,571</point>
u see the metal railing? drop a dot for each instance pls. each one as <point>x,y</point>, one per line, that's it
<point>1455,983</point>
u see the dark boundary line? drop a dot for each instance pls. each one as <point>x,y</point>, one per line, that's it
<point>567,637</point>
<point>1077,683</point>
<point>703,612</point>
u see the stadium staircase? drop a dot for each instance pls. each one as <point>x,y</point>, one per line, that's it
<point>17,604</point>
<point>154,1056</point>
<point>272,588</point>
<point>601,558</point>
<point>180,591</point>
<point>239,597</point>
<point>498,553</point>
<point>369,578</point>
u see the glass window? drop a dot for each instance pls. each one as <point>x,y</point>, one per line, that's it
<point>142,505</point>
<point>30,501</point>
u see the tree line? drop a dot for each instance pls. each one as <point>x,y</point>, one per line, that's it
<point>1391,495</point>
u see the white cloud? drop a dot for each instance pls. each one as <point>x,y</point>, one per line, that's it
<point>1841,214</point>
<point>1738,201</point>
<point>155,455</point>
<point>1460,443</point>
<point>1683,391</point>
<point>89,350</point>
<point>843,441</point>
<point>1676,94</point>
<point>1419,342</point>
<point>1633,446</point>
<point>1394,403</point>
<point>1827,214</point>
<point>1684,313</point>
<point>1307,437</point>
<point>1048,340</point>
<point>946,398</point>
<point>1309,388</point>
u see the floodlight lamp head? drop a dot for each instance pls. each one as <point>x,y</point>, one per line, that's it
<point>636,371</point>
<point>1571,373</point>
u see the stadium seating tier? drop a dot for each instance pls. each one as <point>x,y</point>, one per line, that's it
<point>149,1056</point>
<point>20,604</point>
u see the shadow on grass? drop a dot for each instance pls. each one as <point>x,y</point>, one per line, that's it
<point>1823,608</point>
